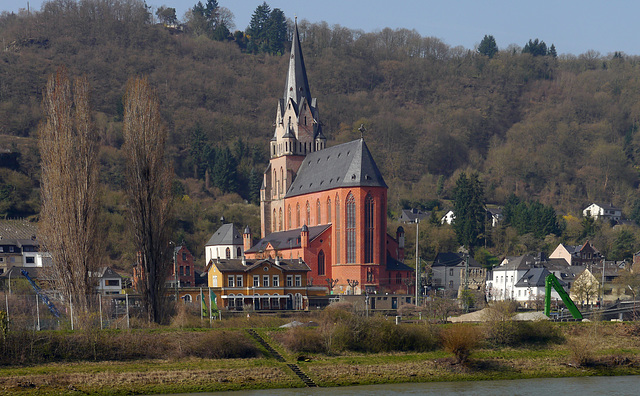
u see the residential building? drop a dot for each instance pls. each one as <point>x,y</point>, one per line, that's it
<point>260,284</point>
<point>413,215</point>
<point>185,267</point>
<point>326,206</point>
<point>448,273</point>
<point>108,281</point>
<point>579,255</point>
<point>19,245</point>
<point>448,218</point>
<point>604,211</point>
<point>494,215</point>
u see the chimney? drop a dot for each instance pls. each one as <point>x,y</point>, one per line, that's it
<point>244,261</point>
<point>277,260</point>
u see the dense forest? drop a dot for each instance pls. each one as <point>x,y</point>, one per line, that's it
<point>554,131</point>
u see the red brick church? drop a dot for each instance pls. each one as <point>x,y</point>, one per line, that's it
<point>325,205</point>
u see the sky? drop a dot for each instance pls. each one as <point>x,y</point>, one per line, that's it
<point>575,27</point>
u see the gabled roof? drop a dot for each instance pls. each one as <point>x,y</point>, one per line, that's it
<point>18,230</point>
<point>289,239</point>
<point>227,234</point>
<point>410,215</point>
<point>450,259</point>
<point>395,265</point>
<point>535,277</point>
<point>106,272</point>
<point>345,165</point>
<point>517,263</point>
<point>237,265</point>
<point>607,206</point>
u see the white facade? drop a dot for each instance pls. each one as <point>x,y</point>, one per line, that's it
<point>223,252</point>
<point>602,211</point>
<point>448,218</point>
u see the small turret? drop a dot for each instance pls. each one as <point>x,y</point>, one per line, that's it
<point>246,239</point>
<point>304,237</point>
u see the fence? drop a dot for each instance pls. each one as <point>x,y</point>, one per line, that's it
<point>29,311</point>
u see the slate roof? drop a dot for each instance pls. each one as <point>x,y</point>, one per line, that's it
<point>395,265</point>
<point>18,229</point>
<point>236,265</point>
<point>607,206</point>
<point>345,165</point>
<point>286,239</point>
<point>107,272</point>
<point>297,85</point>
<point>517,263</point>
<point>410,215</point>
<point>227,234</point>
<point>450,259</point>
<point>535,277</point>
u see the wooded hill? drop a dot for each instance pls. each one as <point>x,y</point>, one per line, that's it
<point>559,130</point>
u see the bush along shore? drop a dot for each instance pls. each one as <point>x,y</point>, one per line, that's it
<point>340,348</point>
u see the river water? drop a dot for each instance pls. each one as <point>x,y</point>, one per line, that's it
<point>583,386</point>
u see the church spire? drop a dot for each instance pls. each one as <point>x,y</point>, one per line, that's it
<point>297,86</point>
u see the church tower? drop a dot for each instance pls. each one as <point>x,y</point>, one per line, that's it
<point>297,133</point>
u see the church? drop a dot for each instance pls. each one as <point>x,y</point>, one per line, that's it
<point>325,205</point>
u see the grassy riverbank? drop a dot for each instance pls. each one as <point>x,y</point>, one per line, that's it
<point>587,349</point>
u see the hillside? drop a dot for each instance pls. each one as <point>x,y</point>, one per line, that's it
<point>561,130</point>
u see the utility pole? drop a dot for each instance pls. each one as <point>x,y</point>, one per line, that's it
<point>604,264</point>
<point>417,258</point>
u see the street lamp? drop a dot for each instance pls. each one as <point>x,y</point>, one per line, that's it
<point>175,269</point>
<point>417,258</point>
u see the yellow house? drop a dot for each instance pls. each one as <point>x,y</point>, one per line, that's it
<point>260,284</point>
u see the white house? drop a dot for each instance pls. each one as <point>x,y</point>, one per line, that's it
<point>448,218</point>
<point>502,284</point>
<point>108,281</point>
<point>225,243</point>
<point>605,211</point>
<point>531,287</point>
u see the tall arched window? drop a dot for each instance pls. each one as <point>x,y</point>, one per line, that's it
<point>321,263</point>
<point>238,252</point>
<point>308,223</point>
<point>282,186</point>
<point>298,215</point>
<point>228,253</point>
<point>329,210</point>
<point>338,236</point>
<point>318,213</point>
<point>275,181</point>
<point>280,219</point>
<point>368,229</point>
<point>274,222</point>
<point>350,209</point>
<point>289,217</point>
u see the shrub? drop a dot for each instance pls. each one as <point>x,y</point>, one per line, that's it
<point>302,339</point>
<point>510,332</point>
<point>582,350</point>
<point>460,340</point>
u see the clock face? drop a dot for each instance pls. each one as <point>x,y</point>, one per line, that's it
<point>266,268</point>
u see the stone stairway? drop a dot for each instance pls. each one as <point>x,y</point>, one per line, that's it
<point>276,355</point>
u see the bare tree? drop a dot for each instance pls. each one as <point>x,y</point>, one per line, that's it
<point>68,145</point>
<point>148,187</point>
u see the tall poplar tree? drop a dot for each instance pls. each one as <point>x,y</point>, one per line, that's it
<point>68,143</point>
<point>149,180</point>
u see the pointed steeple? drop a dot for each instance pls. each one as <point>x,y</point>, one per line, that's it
<point>297,86</point>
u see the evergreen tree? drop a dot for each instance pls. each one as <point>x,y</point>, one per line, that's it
<point>535,48</point>
<point>199,152</point>
<point>225,172</point>
<point>258,27</point>
<point>255,182</point>
<point>552,51</point>
<point>488,46</point>
<point>469,209</point>
<point>276,32</point>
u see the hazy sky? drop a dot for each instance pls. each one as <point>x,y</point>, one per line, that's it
<point>573,26</point>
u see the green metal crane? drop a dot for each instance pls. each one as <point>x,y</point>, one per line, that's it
<point>551,281</point>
